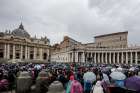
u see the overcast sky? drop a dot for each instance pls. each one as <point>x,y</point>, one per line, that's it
<point>79,19</point>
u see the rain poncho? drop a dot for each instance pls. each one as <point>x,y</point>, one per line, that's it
<point>68,89</point>
<point>98,88</point>
<point>76,87</point>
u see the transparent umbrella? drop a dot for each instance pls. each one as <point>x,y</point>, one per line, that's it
<point>89,76</point>
<point>117,76</point>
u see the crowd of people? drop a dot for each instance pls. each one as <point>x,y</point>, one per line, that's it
<point>69,78</point>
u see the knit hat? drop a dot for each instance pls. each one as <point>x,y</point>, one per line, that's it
<point>56,87</point>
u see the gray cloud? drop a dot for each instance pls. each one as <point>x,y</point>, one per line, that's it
<point>80,19</point>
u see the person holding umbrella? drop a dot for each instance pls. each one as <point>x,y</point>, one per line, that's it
<point>119,78</point>
<point>89,78</point>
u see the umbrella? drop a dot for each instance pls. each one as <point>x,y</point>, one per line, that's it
<point>105,78</point>
<point>117,76</point>
<point>89,76</point>
<point>119,69</point>
<point>133,83</point>
<point>105,70</point>
<point>132,69</point>
<point>113,69</point>
<point>37,67</point>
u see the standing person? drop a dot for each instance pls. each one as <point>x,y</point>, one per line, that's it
<point>89,78</point>
<point>76,87</point>
<point>56,87</point>
<point>87,86</point>
<point>24,82</point>
<point>1,74</point>
<point>68,88</point>
<point>62,79</point>
<point>11,78</point>
<point>42,82</point>
<point>98,88</point>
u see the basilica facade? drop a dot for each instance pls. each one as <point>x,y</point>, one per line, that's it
<point>19,46</point>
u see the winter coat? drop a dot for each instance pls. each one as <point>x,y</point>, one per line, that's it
<point>42,83</point>
<point>23,83</point>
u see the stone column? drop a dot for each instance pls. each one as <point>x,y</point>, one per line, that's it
<point>76,56</point>
<point>98,57</point>
<point>21,52</point>
<point>71,56</point>
<point>136,57</point>
<point>13,51</point>
<point>126,58</point>
<point>40,54</point>
<point>106,57</point>
<point>5,54</point>
<point>94,57</point>
<point>118,61</point>
<point>83,57</point>
<point>87,56</point>
<point>122,58</point>
<point>26,51</point>
<point>102,58</point>
<point>68,57</point>
<point>131,56</point>
<point>35,50</point>
<point>8,51</point>
<point>114,61</point>
<point>110,58</point>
